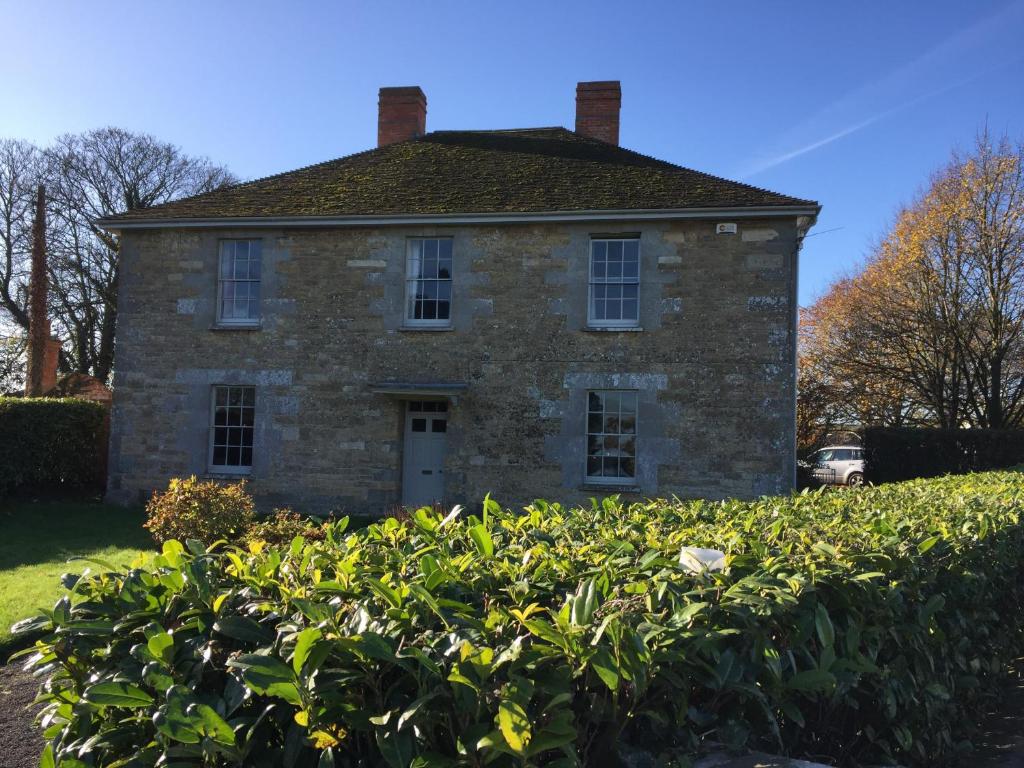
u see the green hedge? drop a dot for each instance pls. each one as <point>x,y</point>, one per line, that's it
<point>51,445</point>
<point>868,625</point>
<point>905,453</point>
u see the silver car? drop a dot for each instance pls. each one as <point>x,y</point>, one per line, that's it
<point>838,465</point>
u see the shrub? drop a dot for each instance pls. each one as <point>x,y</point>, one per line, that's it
<point>51,444</point>
<point>905,453</point>
<point>206,511</point>
<point>869,626</point>
<point>282,526</point>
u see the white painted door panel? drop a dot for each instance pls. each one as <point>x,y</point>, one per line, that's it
<point>423,464</point>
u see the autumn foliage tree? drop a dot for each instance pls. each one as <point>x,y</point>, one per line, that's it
<point>931,330</point>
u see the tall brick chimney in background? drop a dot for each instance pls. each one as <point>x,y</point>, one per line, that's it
<point>402,114</point>
<point>597,110</point>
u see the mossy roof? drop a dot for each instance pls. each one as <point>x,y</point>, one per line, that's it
<point>451,172</point>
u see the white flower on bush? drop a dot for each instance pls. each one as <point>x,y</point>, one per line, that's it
<point>698,560</point>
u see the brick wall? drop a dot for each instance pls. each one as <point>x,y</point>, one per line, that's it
<point>713,365</point>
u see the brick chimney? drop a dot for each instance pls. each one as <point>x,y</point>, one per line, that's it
<point>402,114</point>
<point>597,110</point>
<point>51,358</point>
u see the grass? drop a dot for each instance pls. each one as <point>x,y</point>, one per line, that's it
<point>38,539</point>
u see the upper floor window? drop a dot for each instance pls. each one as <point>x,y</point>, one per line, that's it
<point>428,292</point>
<point>614,283</point>
<point>611,436</point>
<point>238,283</point>
<point>232,424</point>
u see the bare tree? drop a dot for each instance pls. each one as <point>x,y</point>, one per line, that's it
<point>98,174</point>
<point>20,172</point>
<point>88,176</point>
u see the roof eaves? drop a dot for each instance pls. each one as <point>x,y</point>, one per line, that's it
<point>760,211</point>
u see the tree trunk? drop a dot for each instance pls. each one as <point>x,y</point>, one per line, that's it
<point>39,324</point>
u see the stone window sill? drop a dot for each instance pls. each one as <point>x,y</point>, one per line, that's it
<point>239,327</point>
<point>609,488</point>
<point>613,329</point>
<point>427,328</point>
<point>212,474</point>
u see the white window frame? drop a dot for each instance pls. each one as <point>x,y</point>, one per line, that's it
<point>239,322</point>
<point>412,282</point>
<point>230,469</point>
<point>594,280</point>
<point>618,480</point>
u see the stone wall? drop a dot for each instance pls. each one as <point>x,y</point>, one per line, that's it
<point>713,364</point>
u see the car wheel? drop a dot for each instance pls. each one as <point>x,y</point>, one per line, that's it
<point>855,480</point>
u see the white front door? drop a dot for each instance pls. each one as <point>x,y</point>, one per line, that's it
<point>426,428</point>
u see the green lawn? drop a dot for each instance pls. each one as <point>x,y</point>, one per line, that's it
<point>38,539</point>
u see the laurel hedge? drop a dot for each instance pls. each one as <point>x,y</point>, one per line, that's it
<point>51,445</point>
<point>867,625</point>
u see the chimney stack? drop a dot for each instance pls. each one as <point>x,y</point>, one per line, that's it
<point>402,114</point>
<point>597,110</point>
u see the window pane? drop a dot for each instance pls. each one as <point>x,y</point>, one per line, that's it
<point>614,269</point>
<point>246,457</point>
<point>219,456</point>
<point>430,249</point>
<point>627,402</point>
<point>611,428</point>
<point>444,249</point>
<point>415,407</point>
<point>438,425</point>
<point>429,310</point>
<point>614,252</point>
<point>630,310</point>
<point>631,250</point>
<point>598,249</point>
<point>419,425</point>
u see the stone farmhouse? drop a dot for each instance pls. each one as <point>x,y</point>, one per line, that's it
<point>529,313</point>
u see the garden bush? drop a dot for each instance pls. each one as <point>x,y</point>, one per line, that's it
<point>51,444</point>
<point>904,453</point>
<point>202,510</point>
<point>282,526</point>
<point>871,625</point>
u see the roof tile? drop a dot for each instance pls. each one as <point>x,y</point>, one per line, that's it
<point>445,172</point>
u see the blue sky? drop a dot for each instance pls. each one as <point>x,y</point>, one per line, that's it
<point>850,103</point>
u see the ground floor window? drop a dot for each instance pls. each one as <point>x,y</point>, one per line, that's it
<point>611,436</point>
<point>232,423</point>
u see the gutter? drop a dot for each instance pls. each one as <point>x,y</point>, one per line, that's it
<point>118,224</point>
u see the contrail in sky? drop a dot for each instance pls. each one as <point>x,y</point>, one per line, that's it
<point>787,156</point>
<point>902,79</point>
